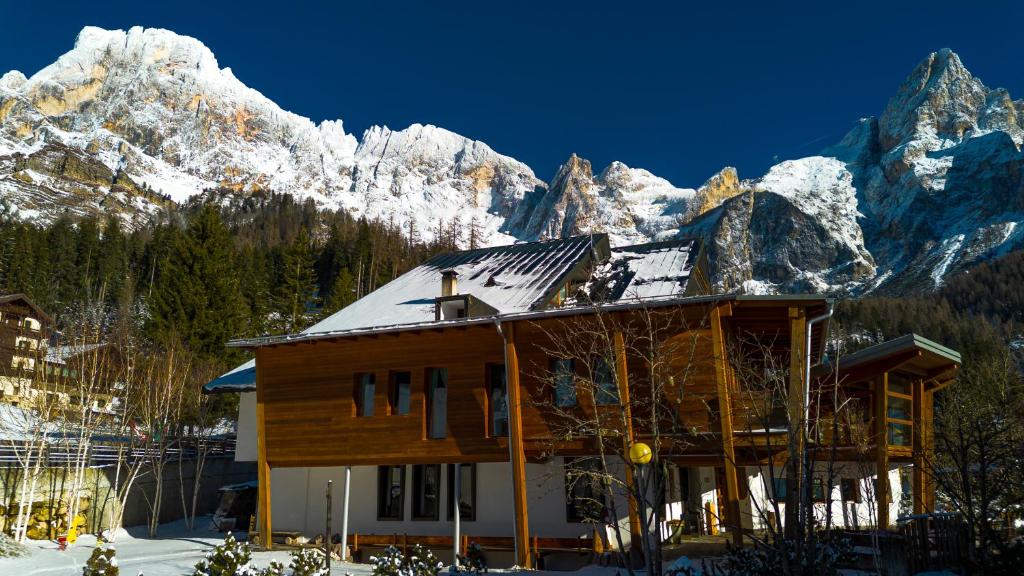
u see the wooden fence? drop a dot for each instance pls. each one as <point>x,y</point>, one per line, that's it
<point>934,542</point>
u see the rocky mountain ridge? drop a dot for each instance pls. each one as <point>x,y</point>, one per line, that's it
<point>127,122</point>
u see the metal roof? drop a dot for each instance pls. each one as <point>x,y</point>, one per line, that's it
<point>642,271</point>
<point>905,342</point>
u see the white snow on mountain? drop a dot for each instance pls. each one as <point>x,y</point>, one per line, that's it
<point>128,122</point>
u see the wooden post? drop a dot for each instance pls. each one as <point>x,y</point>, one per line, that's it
<point>795,409</point>
<point>263,467</point>
<point>622,377</point>
<point>918,417</point>
<point>928,438</point>
<point>722,379</point>
<point>518,453</point>
<point>882,487</point>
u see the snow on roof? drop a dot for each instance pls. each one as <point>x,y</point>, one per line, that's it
<point>511,279</point>
<point>239,379</point>
<point>61,354</point>
<point>644,271</point>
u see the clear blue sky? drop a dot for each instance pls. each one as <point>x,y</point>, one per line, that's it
<point>678,89</point>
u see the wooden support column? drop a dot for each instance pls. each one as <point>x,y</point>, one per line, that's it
<point>928,438</point>
<point>622,378</point>
<point>722,380</point>
<point>517,451</point>
<point>263,471</point>
<point>918,473</point>
<point>795,411</point>
<point>882,488</point>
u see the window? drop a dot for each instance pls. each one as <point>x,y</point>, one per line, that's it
<point>899,408</point>
<point>401,384</point>
<point>584,496</point>
<point>882,486</point>
<point>467,492</point>
<point>426,491</point>
<point>366,387</point>
<point>606,392</point>
<point>818,489</point>
<point>780,487</point>
<point>497,398</point>
<point>899,384</point>
<point>565,383</point>
<point>906,482</point>
<point>437,402</point>
<point>390,492</point>
<point>850,490</point>
<point>899,434</point>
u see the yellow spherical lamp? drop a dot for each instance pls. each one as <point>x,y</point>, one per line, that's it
<point>640,453</point>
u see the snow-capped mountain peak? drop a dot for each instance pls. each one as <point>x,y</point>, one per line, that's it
<point>129,121</point>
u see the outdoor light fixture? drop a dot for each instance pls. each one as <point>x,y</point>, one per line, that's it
<point>640,453</point>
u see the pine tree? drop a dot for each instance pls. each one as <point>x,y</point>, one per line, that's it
<point>343,292</point>
<point>297,285</point>
<point>195,297</point>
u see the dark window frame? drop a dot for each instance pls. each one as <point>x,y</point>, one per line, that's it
<point>384,483</point>
<point>469,516</point>
<point>849,490</point>
<point>364,408</point>
<point>430,406</point>
<point>780,488</point>
<point>573,515</point>
<point>559,373</point>
<point>393,398</point>
<point>494,370</point>
<point>606,389</point>
<point>418,493</point>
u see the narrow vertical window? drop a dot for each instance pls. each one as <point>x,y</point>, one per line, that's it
<point>498,400</point>
<point>437,402</point>
<point>366,388</point>
<point>426,491</point>
<point>606,392</point>
<point>564,375</point>
<point>401,383</point>
<point>584,494</point>
<point>390,492</point>
<point>467,492</point>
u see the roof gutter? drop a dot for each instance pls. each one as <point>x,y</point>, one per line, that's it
<point>807,365</point>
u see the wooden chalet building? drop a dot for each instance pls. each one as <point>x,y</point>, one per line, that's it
<point>465,360</point>
<point>25,331</point>
<point>36,364</point>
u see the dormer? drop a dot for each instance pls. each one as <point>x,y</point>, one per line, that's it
<point>451,305</point>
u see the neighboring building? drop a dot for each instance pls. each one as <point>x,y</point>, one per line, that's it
<point>462,361</point>
<point>25,330</point>
<point>36,362</point>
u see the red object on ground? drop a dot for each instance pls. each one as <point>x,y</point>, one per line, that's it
<point>62,542</point>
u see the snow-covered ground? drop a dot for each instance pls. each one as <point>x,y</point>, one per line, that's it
<point>175,552</point>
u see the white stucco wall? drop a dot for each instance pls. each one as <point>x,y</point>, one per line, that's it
<point>245,449</point>
<point>299,504</point>
<point>844,514</point>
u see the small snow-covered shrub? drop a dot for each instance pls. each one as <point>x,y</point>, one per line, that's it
<point>474,562</point>
<point>421,562</point>
<point>824,559</point>
<point>682,566</point>
<point>307,562</point>
<point>232,558</point>
<point>102,562</point>
<point>11,549</point>
<point>275,569</point>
